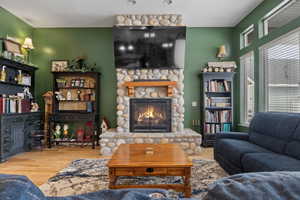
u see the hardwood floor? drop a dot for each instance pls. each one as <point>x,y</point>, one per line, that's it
<point>39,166</point>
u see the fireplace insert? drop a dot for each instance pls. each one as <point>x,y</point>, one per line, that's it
<point>150,115</point>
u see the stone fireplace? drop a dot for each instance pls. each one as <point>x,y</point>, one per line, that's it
<point>150,106</point>
<point>150,115</point>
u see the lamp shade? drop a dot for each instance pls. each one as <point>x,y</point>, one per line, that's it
<point>28,43</point>
<point>222,52</point>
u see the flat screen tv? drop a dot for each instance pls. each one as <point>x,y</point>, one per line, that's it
<point>149,47</point>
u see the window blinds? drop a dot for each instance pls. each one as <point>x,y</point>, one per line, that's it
<point>281,60</point>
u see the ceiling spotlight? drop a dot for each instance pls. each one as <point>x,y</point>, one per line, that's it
<point>169,2</point>
<point>132,2</point>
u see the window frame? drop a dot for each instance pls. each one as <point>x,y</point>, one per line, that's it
<point>244,36</point>
<point>265,20</point>
<point>244,89</point>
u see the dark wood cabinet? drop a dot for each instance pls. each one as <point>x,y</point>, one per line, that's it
<point>16,127</point>
<point>15,133</point>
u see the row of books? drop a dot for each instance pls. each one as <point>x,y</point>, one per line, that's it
<point>14,104</point>
<point>216,128</point>
<point>218,102</point>
<point>218,86</point>
<point>223,116</point>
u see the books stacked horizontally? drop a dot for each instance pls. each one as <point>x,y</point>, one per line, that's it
<point>218,86</point>
<point>14,104</point>
<point>218,102</point>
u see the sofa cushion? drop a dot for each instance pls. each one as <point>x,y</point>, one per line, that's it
<point>293,147</point>
<point>273,130</point>
<point>267,162</point>
<point>122,194</point>
<point>258,186</point>
<point>13,187</point>
<point>233,150</point>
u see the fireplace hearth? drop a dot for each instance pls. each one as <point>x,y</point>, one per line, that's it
<point>150,115</point>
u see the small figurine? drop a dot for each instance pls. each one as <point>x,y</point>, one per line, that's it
<point>216,69</point>
<point>59,96</point>
<point>210,69</point>
<point>34,107</point>
<point>104,126</point>
<point>57,132</point>
<point>69,95</point>
<point>66,130</point>
<point>204,69</point>
<point>221,69</point>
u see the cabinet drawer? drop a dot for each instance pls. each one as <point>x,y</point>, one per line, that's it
<point>124,172</point>
<point>150,171</point>
<point>176,171</point>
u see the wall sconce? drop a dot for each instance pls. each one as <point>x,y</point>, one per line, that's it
<point>28,45</point>
<point>222,52</point>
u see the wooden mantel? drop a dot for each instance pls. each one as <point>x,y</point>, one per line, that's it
<point>169,84</point>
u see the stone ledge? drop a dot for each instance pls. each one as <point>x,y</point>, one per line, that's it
<point>189,140</point>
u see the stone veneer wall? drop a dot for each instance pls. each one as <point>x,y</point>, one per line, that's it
<point>149,20</point>
<point>188,139</point>
<point>124,75</point>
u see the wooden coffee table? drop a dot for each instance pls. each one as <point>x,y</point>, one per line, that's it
<point>166,160</point>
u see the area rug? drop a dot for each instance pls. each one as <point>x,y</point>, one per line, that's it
<point>90,175</point>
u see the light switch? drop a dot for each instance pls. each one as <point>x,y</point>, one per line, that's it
<point>194,104</point>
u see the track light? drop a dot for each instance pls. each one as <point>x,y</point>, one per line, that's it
<point>169,2</point>
<point>132,2</point>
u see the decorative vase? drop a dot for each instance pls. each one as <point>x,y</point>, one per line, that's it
<point>80,134</point>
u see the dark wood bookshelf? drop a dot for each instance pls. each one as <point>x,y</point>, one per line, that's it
<point>220,92</point>
<point>16,128</point>
<point>73,114</point>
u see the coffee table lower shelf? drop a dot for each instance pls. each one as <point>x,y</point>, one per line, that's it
<point>185,172</point>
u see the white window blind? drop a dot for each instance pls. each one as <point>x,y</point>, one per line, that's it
<point>248,87</point>
<point>281,60</point>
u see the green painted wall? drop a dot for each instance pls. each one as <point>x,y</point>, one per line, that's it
<point>68,43</point>
<point>202,46</point>
<point>13,26</point>
<point>253,18</point>
<point>96,43</point>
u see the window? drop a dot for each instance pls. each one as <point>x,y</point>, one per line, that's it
<point>281,64</point>
<point>247,87</point>
<point>281,15</point>
<point>247,36</point>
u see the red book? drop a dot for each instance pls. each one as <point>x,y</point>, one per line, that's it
<point>1,105</point>
<point>25,106</point>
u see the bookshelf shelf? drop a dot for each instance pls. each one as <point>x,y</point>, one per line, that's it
<point>217,105</point>
<point>15,84</point>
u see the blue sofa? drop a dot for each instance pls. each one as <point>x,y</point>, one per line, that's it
<point>15,187</point>
<point>248,186</point>
<point>272,144</point>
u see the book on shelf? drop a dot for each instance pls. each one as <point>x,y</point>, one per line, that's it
<point>223,116</point>
<point>216,128</point>
<point>14,104</point>
<point>218,86</point>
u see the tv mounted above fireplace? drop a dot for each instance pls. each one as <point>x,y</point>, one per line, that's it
<point>149,47</point>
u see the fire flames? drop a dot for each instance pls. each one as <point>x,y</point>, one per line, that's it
<point>151,114</point>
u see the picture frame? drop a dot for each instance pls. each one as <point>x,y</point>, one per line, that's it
<point>12,46</point>
<point>59,65</point>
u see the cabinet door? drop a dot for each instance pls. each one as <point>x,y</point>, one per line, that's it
<point>13,135</point>
<point>32,123</point>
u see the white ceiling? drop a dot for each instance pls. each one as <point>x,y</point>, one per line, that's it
<point>100,13</point>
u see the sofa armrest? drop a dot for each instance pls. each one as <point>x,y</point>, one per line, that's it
<point>233,135</point>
